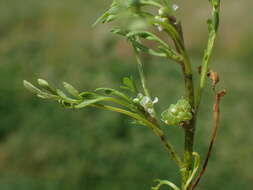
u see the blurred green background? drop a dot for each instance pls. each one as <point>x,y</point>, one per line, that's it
<point>46,147</point>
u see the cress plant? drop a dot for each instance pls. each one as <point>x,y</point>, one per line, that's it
<point>146,20</point>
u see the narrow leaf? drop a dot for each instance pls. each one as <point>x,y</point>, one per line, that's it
<point>110,91</point>
<point>86,103</point>
<point>29,86</point>
<point>44,84</point>
<point>45,95</point>
<point>65,97</point>
<point>73,91</point>
<point>129,84</point>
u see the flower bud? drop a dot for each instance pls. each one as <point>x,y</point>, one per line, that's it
<point>177,114</point>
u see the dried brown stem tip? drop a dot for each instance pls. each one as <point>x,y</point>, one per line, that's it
<point>214,77</point>
<point>216,119</point>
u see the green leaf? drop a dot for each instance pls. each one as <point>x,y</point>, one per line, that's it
<point>38,92</point>
<point>141,48</point>
<point>195,169</point>
<point>44,84</point>
<point>151,3</point>
<point>164,182</point>
<point>110,14</point>
<point>164,50</point>
<point>89,102</point>
<point>45,95</point>
<point>29,86</point>
<point>129,84</point>
<point>110,91</point>
<point>170,53</point>
<point>89,95</point>
<point>65,97</point>
<point>119,31</point>
<point>73,91</point>
<point>148,36</point>
<point>101,19</point>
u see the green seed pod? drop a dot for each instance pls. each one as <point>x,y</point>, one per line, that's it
<point>177,114</point>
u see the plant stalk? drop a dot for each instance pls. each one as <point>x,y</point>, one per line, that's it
<point>141,73</point>
<point>154,127</point>
<point>189,128</point>
<point>189,90</point>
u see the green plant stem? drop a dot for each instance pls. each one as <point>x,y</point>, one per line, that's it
<point>189,128</point>
<point>141,73</point>
<point>189,90</point>
<point>213,28</point>
<point>155,128</point>
<point>204,67</point>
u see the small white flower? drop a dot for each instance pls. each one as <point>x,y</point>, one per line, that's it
<point>175,7</point>
<point>155,100</point>
<point>146,101</point>
<point>150,111</point>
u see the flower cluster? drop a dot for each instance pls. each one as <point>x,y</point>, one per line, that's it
<point>178,114</point>
<point>146,103</point>
<point>163,15</point>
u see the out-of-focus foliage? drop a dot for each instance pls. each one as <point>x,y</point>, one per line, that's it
<point>46,147</point>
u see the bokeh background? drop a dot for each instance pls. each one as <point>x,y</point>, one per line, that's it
<point>46,147</point>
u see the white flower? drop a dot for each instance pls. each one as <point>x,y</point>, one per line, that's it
<point>146,102</point>
<point>175,7</point>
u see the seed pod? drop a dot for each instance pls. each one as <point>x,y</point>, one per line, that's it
<point>177,114</point>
